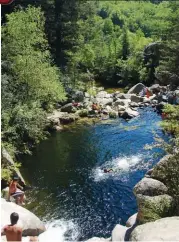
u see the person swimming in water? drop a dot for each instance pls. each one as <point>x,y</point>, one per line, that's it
<point>107,170</point>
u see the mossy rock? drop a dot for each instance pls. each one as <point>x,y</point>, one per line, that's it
<point>167,171</point>
<point>153,208</point>
<point>82,113</point>
<point>113,115</point>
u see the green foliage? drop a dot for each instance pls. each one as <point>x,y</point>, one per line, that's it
<point>30,81</point>
<point>24,126</point>
<point>171,124</point>
<point>111,40</point>
<point>7,172</point>
<point>26,49</point>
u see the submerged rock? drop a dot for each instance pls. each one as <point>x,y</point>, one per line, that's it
<point>31,224</point>
<point>165,229</point>
<point>129,113</point>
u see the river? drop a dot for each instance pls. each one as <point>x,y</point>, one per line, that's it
<point>70,190</point>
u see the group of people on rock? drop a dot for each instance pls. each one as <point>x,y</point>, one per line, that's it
<point>13,231</point>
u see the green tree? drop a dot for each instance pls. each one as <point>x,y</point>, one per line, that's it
<point>30,80</point>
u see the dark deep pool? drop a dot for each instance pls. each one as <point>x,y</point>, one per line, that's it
<point>71,192</point>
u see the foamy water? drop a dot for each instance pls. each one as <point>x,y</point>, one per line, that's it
<point>59,231</point>
<point>118,165</point>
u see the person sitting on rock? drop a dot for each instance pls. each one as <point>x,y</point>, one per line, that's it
<point>164,115</point>
<point>94,106</point>
<point>12,231</point>
<point>16,193</point>
<point>75,104</point>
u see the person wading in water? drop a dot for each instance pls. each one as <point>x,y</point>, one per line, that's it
<point>12,231</point>
<point>16,193</point>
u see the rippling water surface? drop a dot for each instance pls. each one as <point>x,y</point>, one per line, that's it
<point>72,194</point>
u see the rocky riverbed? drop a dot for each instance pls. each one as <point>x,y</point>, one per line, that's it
<point>80,104</point>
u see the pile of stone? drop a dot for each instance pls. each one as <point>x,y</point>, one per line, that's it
<point>79,104</point>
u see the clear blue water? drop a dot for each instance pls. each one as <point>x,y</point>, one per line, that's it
<point>70,190</point>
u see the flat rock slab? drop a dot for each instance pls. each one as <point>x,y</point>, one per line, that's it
<point>30,223</point>
<point>165,229</point>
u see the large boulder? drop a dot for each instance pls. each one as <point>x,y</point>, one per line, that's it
<point>150,187</point>
<point>152,208</point>
<point>129,113</point>
<point>64,117</point>
<point>131,220</point>
<point>155,88</point>
<point>159,171</point>
<point>119,233</point>
<point>165,229</point>
<point>167,171</point>
<point>136,89</point>
<point>31,224</point>
<point>67,108</point>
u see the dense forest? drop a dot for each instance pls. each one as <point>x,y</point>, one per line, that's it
<point>51,47</point>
